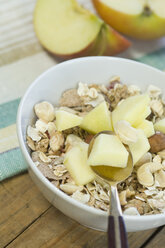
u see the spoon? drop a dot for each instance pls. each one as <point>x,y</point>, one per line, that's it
<point>117,237</point>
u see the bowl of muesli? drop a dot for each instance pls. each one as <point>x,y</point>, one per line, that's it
<point>65,107</point>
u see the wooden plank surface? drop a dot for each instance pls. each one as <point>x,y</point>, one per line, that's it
<point>28,220</point>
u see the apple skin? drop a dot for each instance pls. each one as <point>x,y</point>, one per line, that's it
<point>141,26</point>
<point>107,43</point>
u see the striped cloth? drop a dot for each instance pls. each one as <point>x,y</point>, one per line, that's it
<point>22,59</point>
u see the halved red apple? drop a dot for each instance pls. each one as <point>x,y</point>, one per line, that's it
<point>68,30</point>
<point>142,19</point>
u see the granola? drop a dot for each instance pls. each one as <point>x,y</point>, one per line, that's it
<point>143,193</point>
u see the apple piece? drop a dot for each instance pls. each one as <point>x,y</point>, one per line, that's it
<point>76,163</point>
<point>109,151</point>
<point>65,120</point>
<point>132,109</point>
<point>139,148</point>
<point>138,19</point>
<point>147,127</point>
<point>68,30</point>
<point>146,112</point>
<point>98,119</point>
<point>160,126</point>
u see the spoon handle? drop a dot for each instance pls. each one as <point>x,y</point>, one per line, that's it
<point>117,236</point>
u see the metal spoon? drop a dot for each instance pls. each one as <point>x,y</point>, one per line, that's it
<point>117,237</point>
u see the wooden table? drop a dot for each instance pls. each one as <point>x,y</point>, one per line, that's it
<point>28,220</point>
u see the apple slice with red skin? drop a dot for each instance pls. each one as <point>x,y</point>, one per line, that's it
<point>68,30</point>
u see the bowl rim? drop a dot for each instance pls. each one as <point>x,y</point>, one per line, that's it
<point>40,176</point>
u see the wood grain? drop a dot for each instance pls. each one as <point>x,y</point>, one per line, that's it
<point>20,204</point>
<point>28,220</point>
<point>158,241</point>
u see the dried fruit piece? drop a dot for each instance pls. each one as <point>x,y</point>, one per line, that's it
<point>157,142</point>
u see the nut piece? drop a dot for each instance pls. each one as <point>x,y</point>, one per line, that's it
<point>144,173</point>
<point>56,141</point>
<point>44,111</point>
<point>157,142</point>
<point>160,178</point>
<point>126,133</point>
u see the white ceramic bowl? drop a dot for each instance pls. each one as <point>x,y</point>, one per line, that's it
<point>49,86</point>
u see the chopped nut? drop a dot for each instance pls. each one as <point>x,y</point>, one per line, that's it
<point>157,142</point>
<point>144,173</point>
<point>44,111</point>
<point>56,141</point>
<point>70,98</point>
<point>126,133</point>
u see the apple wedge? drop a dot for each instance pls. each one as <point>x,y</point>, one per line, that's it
<point>139,148</point>
<point>108,150</point>
<point>141,19</point>
<point>76,163</point>
<point>98,119</point>
<point>68,30</point>
<point>133,109</point>
<point>160,125</point>
<point>147,127</point>
<point>65,120</point>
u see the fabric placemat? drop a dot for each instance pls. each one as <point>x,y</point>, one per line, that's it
<point>22,59</point>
